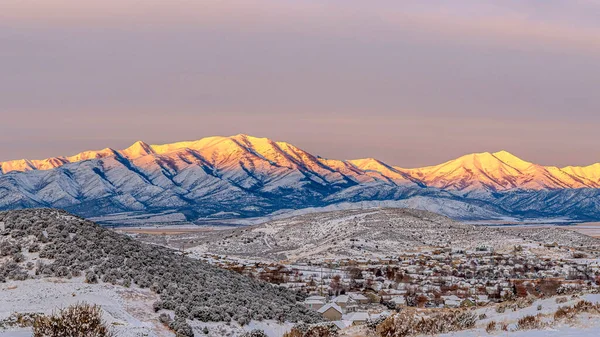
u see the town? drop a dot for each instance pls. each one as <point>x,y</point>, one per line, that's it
<point>354,291</point>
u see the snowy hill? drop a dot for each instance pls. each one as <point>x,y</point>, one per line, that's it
<point>366,233</point>
<point>243,176</point>
<point>42,247</point>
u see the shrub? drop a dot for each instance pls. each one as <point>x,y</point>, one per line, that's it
<point>255,333</point>
<point>165,319</point>
<point>315,330</point>
<point>18,257</point>
<point>181,327</point>
<point>75,321</point>
<point>91,277</point>
<point>491,327</point>
<point>561,300</point>
<point>529,322</point>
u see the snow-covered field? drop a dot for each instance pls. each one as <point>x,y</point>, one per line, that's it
<point>127,310</point>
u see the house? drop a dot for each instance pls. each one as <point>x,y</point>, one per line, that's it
<point>331,312</point>
<point>359,298</point>
<point>343,301</point>
<point>398,300</point>
<point>316,298</point>
<point>452,301</point>
<point>357,318</point>
<point>482,300</point>
<point>342,324</point>
<point>313,304</point>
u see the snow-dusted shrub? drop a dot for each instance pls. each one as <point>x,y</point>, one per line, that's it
<point>75,321</point>
<point>313,330</point>
<point>181,327</point>
<point>18,257</point>
<point>561,300</point>
<point>8,248</point>
<point>255,333</point>
<point>91,277</point>
<point>165,318</point>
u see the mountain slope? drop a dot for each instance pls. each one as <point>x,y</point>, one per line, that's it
<point>244,176</point>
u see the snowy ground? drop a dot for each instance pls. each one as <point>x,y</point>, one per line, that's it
<point>127,310</point>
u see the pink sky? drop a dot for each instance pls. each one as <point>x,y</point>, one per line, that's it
<point>412,83</point>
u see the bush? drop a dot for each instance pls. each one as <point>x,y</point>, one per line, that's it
<point>75,321</point>
<point>491,327</point>
<point>91,277</point>
<point>315,330</point>
<point>529,322</point>
<point>181,327</point>
<point>165,319</point>
<point>255,333</point>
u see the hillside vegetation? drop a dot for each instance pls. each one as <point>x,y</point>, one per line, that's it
<point>66,246</point>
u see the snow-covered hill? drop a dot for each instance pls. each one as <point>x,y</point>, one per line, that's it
<point>243,176</point>
<point>364,234</point>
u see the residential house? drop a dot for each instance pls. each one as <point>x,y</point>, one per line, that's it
<point>331,312</point>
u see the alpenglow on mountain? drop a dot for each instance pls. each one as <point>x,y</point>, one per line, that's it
<point>243,176</point>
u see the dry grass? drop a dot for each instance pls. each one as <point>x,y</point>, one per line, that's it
<point>410,323</point>
<point>491,327</point>
<point>530,322</point>
<point>567,313</point>
<point>79,320</point>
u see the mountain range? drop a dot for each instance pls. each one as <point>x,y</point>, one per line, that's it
<point>243,176</point>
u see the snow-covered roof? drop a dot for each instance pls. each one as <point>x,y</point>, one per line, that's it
<point>342,324</point>
<point>358,316</point>
<point>315,298</point>
<point>341,299</point>
<point>357,296</point>
<point>330,306</point>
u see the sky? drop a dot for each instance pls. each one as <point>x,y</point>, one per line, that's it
<point>410,82</point>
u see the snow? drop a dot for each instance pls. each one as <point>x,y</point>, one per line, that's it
<point>243,176</point>
<point>127,310</point>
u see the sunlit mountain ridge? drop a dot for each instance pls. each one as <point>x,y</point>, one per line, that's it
<point>243,176</point>
<point>498,171</point>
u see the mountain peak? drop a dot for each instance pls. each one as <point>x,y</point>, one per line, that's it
<point>138,149</point>
<point>512,160</point>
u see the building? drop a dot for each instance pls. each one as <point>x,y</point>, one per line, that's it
<point>331,312</point>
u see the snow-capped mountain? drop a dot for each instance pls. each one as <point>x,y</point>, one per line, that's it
<point>244,176</point>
